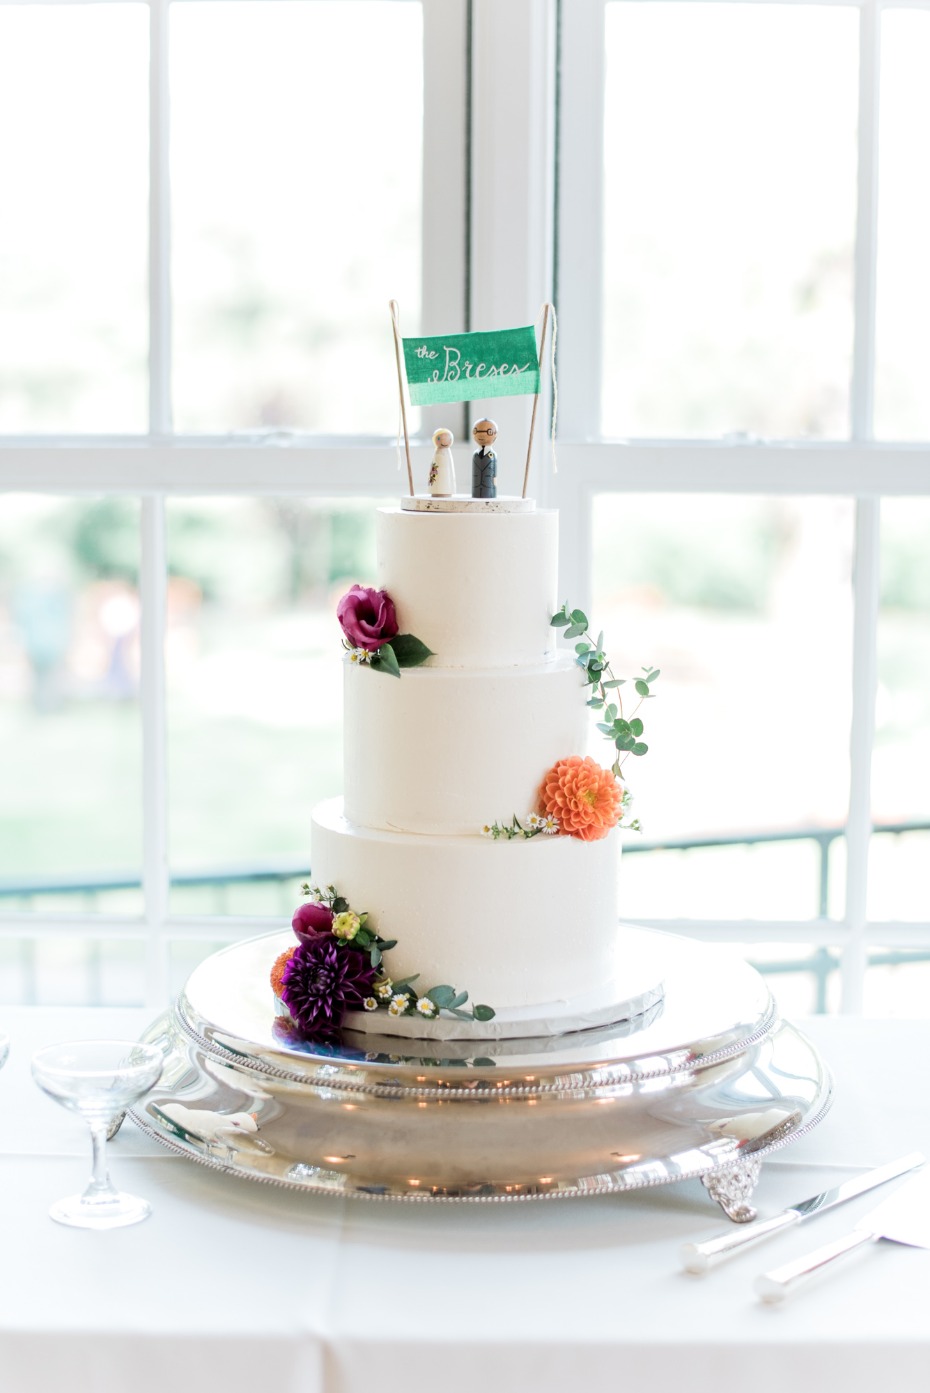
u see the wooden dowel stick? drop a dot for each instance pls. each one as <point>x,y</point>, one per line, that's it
<point>400,389</point>
<point>529,448</point>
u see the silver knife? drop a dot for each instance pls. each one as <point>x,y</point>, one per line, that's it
<point>699,1257</point>
<point>904,1218</point>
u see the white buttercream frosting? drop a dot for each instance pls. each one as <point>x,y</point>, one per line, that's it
<point>445,750</point>
<point>461,742</point>
<point>479,590</point>
<point>512,923</point>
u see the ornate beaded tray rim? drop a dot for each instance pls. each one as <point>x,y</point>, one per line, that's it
<point>704,1086</point>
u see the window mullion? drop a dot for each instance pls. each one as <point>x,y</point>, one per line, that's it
<point>153,586</point>
<point>160,414</point>
<point>580,216</point>
<point>862,735</point>
<point>863,376</point>
<point>512,197</point>
<point>445,185</point>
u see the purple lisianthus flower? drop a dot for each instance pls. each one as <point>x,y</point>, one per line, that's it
<point>367,617</point>
<point>322,981</point>
<point>312,921</point>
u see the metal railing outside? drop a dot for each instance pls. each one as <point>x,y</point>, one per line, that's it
<point>88,890</point>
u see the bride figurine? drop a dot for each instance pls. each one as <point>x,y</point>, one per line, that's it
<point>442,469</point>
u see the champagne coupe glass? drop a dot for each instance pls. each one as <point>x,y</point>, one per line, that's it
<point>98,1079</point>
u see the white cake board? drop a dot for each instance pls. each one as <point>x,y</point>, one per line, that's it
<point>634,986</point>
<point>463,503</point>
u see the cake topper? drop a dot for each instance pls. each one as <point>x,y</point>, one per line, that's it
<point>469,367</point>
<point>484,460</point>
<point>442,469</point>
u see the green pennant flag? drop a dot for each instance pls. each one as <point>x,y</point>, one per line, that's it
<point>460,367</point>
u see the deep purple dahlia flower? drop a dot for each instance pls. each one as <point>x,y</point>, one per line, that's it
<point>322,981</point>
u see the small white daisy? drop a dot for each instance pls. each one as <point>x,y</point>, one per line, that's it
<point>359,655</point>
<point>550,824</point>
<point>370,1003</point>
<point>532,820</point>
<point>384,990</point>
<point>398,1006</point>
<point>426,1007</point>
<point>489,830</point>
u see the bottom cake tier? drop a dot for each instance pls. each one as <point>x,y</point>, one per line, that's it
<point>510,922</point>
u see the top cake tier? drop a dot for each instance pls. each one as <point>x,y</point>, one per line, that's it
<point>477,588</point>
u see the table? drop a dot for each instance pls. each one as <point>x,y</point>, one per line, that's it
<point>240,1286</point>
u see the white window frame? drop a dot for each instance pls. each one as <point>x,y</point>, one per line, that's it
<point>508,223</point>
<point>860,469</point>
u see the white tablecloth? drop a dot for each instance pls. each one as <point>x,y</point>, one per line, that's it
<point>243,1287</point>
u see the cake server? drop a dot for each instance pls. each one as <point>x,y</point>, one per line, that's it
<point>699,1257</point>
<point>903,1218</point>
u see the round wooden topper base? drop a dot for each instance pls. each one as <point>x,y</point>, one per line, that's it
<point>462,503</point>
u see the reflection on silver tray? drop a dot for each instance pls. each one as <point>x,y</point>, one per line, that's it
<point>703,1085</point>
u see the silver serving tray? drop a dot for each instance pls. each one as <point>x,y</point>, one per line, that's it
<point>704,1084</point>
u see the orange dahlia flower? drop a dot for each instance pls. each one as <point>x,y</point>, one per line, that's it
<point>277,971</point>
<point>586,799</point>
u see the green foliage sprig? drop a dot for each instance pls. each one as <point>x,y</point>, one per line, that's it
<point>533,825</point>
<point>624,732</point>
<point>397,998</point>
<point>404,650</point>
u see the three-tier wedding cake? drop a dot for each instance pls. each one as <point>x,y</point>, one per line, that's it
<point>464,744</point>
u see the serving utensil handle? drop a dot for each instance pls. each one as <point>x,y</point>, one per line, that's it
<point>700,1257</point>
<point>774,1286</point>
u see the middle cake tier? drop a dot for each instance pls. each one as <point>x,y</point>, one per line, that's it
<point>444,750</point>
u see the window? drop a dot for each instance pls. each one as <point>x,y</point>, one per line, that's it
<point>197,408</point>
<point>746,480</point>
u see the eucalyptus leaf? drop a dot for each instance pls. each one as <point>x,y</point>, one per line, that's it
<point>651,676</point>
<point>600,641</point>
<point>459,1001</point>
<point>559,621</point>
<point>639,748</point>
<point>363,939</point>
<point>340,905</point>
<point>636,726</point>
<point>409,650</point>
<point>642,687</point>
<point>582,648</point>
<point>596,703</point>
<point>616,682</point>
<point>484,1013</point>
<point>441,996</point>
<point>579,617</point>
<point>574,631</point>
<point>375,955</point>
<point>385,943</point>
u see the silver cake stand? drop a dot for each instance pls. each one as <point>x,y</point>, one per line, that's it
<point>704,1084</point>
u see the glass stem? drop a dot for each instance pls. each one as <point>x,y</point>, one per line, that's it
<point>100,1180</point>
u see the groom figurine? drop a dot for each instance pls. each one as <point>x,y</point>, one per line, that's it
<point>484,460</point>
